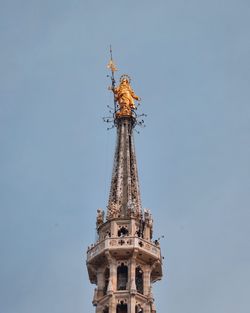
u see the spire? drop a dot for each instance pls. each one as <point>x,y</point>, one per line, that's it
<point>124,198</point>
<point>124,261</point>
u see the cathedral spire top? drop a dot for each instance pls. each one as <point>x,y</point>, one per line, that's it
<point>124,262</point>
<point>124,96</point>
<point>124,198</point>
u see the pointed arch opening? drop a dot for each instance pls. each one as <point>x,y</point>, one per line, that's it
<point>122,277</point>
<point>122,308</point>
<point>139,279</point>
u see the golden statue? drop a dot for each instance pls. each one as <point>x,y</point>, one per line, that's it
<point>125,96</point>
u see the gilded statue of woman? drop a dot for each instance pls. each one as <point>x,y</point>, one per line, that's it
<point>125,96</point>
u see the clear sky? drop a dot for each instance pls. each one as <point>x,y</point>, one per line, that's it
<point>190,63</point>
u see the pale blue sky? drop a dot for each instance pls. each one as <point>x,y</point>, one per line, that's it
<point>190,63</point>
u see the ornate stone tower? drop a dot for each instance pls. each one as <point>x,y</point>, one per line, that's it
<point>124,262</point>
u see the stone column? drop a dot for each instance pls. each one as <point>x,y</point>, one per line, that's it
<point>100,282</point>
<point>112,284</point>
<point>113,229</point>
<point>112,304</point>
<point>112,273</point>
<point>132,227</point>
<point>132,273</point>
<point>131,307</point>
<point>146,279</point>
<point>147,232</point>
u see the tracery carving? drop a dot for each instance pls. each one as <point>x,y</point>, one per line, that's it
<point>124,198</point>
<point>113,211</point>
<point>122,300</point>
<point>123,231</point>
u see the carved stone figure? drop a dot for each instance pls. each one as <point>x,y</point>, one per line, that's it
<point>148,217</point>
<point>99,217</point>
<point>149,221</point>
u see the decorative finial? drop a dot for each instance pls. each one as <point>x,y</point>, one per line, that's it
<point>111,65</point>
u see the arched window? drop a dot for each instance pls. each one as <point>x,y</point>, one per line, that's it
<point>122,277</point>
<point>122,308</point>
<point>122,232</point>
<point>106,280</point>
<point>139,279</point>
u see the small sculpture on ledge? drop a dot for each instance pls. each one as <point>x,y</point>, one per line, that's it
<point>148,217</point>
<point>149,221</point>
<point>99,217</point>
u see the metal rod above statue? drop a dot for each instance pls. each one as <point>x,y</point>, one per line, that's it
<point>111,65</point>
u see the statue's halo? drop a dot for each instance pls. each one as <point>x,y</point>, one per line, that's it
<point>125,76</point>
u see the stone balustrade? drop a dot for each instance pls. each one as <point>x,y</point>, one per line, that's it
<point>123,243</point>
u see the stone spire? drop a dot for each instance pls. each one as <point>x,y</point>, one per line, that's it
<point>124,198</point>
<point>125,261</point>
